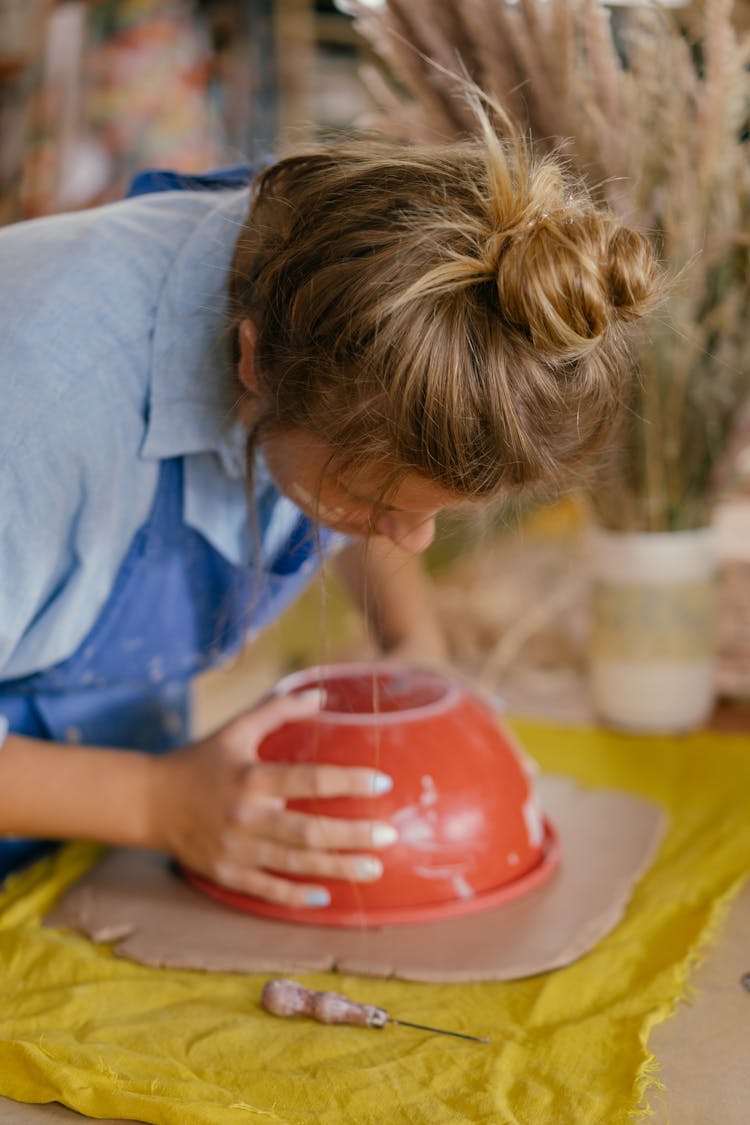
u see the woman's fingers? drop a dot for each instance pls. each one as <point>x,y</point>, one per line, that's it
<point>257,840</point>
<point>261,884</point>
<point>272,779</point>
<point>243,735</point>
<point>302,830</point>
<point>256,867</point>
<point>245,854</point>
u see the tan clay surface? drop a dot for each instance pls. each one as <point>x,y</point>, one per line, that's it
<point>135,900</point>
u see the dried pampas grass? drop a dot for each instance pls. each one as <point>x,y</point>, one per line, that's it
<point>652,107</point>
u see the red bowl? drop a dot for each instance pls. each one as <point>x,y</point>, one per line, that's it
<point>471,834</point>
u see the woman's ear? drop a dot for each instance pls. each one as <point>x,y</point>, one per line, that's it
<point>247,335</point>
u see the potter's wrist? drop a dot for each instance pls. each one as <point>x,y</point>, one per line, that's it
<point>425,645</point>
<point>67,792</point>
<point>161,797</point>
<point>125,790</point>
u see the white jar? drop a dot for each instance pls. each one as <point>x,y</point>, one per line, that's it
<point>653,615</point>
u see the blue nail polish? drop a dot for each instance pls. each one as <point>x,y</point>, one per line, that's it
<point>381,783</point>
<point>368,867</point>
<point>318,898</point>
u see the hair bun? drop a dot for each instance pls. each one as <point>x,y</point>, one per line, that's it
<point>563,282</point>
<point>632,273</point>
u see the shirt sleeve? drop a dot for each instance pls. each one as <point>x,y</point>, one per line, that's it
<point>40,498</point>
<point>72,493</point>
<point>74,365</point>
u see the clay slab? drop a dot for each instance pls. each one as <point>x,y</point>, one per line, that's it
<point>608,839</point>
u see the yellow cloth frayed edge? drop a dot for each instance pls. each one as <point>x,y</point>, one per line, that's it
<point>110,1038</point>
<point>648,1078</point>
<point>660,768</point>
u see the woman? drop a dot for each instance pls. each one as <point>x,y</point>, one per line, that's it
<point>205,393</point>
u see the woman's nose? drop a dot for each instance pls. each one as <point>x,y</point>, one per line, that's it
<point>412,533</point>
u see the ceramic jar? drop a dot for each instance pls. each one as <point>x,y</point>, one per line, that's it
<point>653,614</point>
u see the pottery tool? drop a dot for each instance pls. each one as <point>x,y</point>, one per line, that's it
<point>289,998</point>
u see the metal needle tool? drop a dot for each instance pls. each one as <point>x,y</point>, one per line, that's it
<point>289,998</point>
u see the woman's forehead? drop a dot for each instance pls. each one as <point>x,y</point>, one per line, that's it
<point>369,478</point>
<point>403,490</point>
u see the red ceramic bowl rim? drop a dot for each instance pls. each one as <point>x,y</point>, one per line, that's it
<point>317,675</point>
<point>348,917</point>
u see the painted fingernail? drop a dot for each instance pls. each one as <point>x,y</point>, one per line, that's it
<point>318,897</point>
<point>383,834</point>
<point>312,697</point>
<point>367,867</point>
<point>380,783</point>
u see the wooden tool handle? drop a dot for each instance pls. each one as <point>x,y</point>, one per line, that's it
<point>289,998</point>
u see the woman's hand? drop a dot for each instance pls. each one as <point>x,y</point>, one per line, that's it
<point>220,811</point>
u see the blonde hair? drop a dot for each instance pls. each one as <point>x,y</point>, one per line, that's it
<point>456,311</point>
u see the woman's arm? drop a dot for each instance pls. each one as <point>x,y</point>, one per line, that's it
<point>212,805</point>
<point>394,592</point>
<point>57,791</point>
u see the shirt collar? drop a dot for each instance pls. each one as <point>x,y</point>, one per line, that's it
<point>191,408</point>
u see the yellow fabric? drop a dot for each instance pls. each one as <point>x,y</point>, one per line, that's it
<point>114,1039</point>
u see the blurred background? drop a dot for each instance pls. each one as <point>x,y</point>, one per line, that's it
<point>91,91</point>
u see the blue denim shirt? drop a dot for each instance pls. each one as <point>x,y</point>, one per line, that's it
<point>114,359</point>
